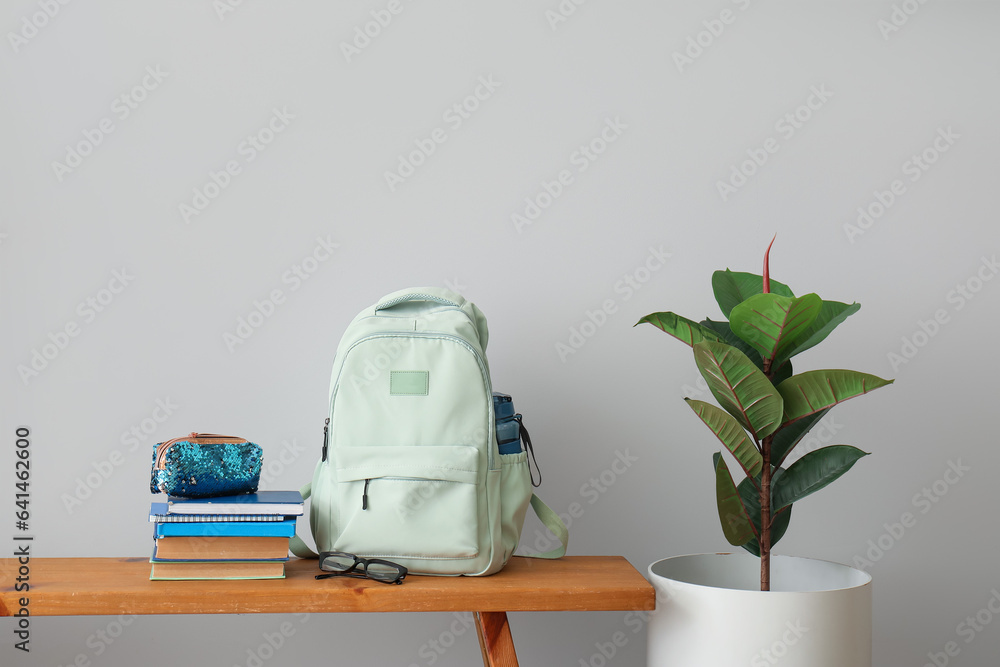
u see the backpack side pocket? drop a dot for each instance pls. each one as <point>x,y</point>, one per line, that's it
<point>515,494</point>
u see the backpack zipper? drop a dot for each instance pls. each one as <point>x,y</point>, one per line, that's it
<point>326,437</point>
<point>364,496</point>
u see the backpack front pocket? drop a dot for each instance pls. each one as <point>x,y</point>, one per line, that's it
<point>408,501</point>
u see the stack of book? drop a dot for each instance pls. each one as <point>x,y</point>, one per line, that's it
<point>228,537</point>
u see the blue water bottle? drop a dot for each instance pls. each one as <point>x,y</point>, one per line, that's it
<point>508,429</point>
<point>511,433</point>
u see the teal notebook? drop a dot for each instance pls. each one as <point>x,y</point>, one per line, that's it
<point>218,525</point>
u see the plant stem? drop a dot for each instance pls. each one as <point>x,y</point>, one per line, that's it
<point>765,516</point>
<point>764,541</point>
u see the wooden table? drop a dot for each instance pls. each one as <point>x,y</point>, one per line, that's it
<point>107,586</point>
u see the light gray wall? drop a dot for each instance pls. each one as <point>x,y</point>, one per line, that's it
<point>880,96</point>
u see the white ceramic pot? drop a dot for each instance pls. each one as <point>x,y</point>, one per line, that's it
<point>710,612</point>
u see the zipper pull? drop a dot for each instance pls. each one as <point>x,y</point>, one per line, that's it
<point>326,436</point>
<point>364,497</point>
<point>531,451</point>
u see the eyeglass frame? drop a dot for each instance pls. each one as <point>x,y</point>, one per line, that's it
<point>401,570</point>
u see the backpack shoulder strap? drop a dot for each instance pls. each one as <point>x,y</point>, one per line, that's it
<point>295,543</point>
<point>555,525</point>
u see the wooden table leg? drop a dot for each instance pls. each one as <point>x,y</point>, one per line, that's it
<point>494,639</point>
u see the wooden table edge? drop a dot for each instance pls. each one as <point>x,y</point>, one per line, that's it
<point>573,583</point>
<point>122,586</point>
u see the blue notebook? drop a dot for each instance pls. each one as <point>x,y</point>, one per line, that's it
<point>286,503</point>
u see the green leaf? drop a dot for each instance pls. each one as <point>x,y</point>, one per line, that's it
<point>786,437</point>
<point>783,372</point>
<point>725,333</point>
<point>733,288</point>
<point>812,472</point>
<point>685,330</point>
<point>740,387</point>
<point>722,329</point>
<point>731,434</point>
<point>830,316</point>
<point>736,525</point>
<point>807,393</point>
<point>771,323</point>
<point>751,502</point>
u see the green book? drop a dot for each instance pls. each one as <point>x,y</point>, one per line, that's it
<point>245,569</point>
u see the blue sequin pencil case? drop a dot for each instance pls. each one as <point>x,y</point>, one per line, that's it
<point>203,465</point>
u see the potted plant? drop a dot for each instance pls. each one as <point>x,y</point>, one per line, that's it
<point>714,609</point>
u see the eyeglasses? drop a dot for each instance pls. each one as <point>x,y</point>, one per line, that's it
<point>340,564</point>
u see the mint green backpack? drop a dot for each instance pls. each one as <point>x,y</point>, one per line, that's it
<point>410,469</point>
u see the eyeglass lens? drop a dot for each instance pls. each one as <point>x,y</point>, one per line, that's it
<point>381,571</point>
<point>338,562</point>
